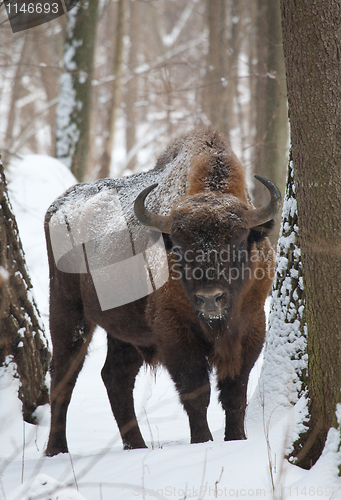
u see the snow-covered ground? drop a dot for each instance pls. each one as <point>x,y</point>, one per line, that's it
<point>97,468</point>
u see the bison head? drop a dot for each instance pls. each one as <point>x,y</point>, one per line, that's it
<point>211,237</point>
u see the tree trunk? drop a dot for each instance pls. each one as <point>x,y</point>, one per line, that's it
<point>285,347</point>
<point>233,49</point>
<point>116,93</point>
<point>214,95</point>
<point>48,78</point>
<point>271,103</point>
<point>9,139</point>
<point>74,107</point>
<point>22,337</point>
<point>312,40</point>
<point>131,88</point>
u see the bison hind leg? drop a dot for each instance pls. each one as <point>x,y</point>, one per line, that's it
<point>69,351</point>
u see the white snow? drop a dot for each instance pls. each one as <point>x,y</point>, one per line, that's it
<point>171,468</point>
<point>3,274</point>
<point>279,384</point>
<point>35,183</point>
<point>67,131</point>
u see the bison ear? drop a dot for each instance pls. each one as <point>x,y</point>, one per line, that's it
<point>258,233</point>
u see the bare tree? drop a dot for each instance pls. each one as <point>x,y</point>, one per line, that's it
<point>8,143</point>
<point>286,338</point>
<point>22,338</point>
<point>116,92</point>
<point>74,106</point>
<point>132,86</point>
<point>271,140</point>
<point>49,73</point>
<point>312,37</point>
<point>216,78</point>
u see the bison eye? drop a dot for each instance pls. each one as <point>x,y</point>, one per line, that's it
<point>241,246</point>
<point>176,250</point>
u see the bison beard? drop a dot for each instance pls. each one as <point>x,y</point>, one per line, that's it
<point>198,200</point>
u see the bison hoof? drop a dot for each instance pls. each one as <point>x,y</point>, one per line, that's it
<point>134,447</point>
<point>234,437</point>
<point>51,451</point>
<point>202,437</point>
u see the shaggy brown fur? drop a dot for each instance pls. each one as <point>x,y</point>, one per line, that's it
<point>175,325</point>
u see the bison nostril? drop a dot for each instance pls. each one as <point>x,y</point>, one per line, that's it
<point>209,301</point>
<point>200,299</point>
<point>218,297</point>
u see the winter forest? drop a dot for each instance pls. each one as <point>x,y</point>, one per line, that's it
<point>101,91</point>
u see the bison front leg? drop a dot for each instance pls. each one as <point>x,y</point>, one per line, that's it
<point>233,400</point>
<point>119,372</point>
<point>233,390</point>
<point>189,371</point>
<point>195,401</point>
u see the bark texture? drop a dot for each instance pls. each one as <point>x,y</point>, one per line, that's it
<point>116,92</point>
<point>312,40</point>
<point>22,337</point>
<point>74,107</point>
<point>132,87</point>
<point>271,103</point>
<point>214,96</point>
<point>9,137</point>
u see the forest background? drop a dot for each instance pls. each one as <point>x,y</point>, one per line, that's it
<point>159,68</point>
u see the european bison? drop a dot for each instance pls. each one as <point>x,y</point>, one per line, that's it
<point>175,265</point>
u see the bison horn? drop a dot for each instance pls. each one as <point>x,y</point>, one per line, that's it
<point>147,218</point>
<point>261,215</point>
